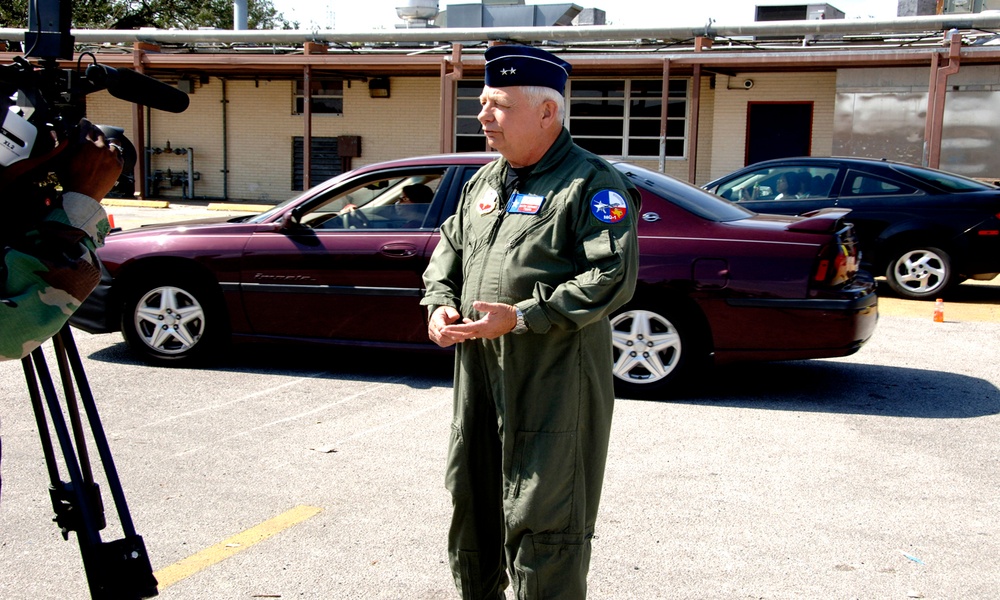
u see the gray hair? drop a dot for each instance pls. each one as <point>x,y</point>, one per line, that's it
<point>538,94</point>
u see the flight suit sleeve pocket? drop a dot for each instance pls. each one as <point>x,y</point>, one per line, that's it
<point>543,488</point>
<point>601,249</point>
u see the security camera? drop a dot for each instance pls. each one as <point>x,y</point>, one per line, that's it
<point>747,84</point>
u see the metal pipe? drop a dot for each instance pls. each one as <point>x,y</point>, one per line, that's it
<point>307,127</point>
<point>225,142</point>
<point>190,153</point>
<point>987,21</point>
<point>664,105</point>
<point>240,15</point>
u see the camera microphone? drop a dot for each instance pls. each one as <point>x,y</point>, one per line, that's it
<point>132,86</point>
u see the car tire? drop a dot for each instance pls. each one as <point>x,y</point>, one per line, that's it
<point>920,273</point>
<point>655,351</point>
<point>173,321</point>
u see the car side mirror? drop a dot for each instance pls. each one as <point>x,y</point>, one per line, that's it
<point>289,220</point>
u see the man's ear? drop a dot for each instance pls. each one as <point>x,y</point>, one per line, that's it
<point>548,112</point>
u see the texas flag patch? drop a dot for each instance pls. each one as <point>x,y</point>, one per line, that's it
<point>608,206</point>
<point>525,204</point>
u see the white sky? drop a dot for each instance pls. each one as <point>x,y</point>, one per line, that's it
<point>364,15</point>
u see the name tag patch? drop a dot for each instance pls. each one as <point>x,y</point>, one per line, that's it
<point>608,206</point>
<point>525,204</point>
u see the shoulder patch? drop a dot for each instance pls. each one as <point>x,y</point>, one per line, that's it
<point>608,206</point>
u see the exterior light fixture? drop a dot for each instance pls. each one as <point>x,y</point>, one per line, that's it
<point>379,87</point>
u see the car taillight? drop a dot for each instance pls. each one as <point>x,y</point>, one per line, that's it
<point>838,262</point>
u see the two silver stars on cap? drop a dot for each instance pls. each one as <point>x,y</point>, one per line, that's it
<point>510,71</point>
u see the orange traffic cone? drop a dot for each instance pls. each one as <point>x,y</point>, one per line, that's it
<point>939,311</point>
<point>111,220</point>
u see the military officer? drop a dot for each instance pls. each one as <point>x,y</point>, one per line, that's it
<point>540,252</point>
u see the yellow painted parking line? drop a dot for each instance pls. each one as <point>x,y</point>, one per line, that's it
<point>200,561</point>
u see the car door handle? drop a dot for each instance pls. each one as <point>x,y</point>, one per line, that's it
<point>399,250</point>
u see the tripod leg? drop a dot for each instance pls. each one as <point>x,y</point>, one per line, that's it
<point>83,522</point>
<point>43,425</point>
<point>65,339</point>
<point>122,568</point>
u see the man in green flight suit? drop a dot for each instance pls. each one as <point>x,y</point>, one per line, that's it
<point>541,250</point>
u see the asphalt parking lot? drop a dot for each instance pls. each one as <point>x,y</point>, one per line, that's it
<point>283,473</point>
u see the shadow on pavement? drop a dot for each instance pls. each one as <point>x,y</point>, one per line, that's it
<point>843,387</point>
<point>969,292</point>
<point>418,369</point>
<point>808,385</point>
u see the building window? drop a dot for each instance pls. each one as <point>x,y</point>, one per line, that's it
<point>327,96</point>
<point>621,118</point>
<point>325,161</point>
<point>610,117</point>
<point>468,131</point>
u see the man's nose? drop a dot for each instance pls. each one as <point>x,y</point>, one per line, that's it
<point>485,114</point>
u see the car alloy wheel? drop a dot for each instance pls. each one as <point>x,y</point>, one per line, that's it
<point>650,351</point>
<point>171,320</point>
<point>920,273</point>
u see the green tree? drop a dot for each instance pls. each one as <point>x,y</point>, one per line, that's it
<point>162,14</point>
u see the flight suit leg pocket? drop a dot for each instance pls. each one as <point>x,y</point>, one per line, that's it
<point>553,567</point>
<point>543,481</point>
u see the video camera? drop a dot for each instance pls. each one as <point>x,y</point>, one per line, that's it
<point>41,106</point>
<point>39,100</point>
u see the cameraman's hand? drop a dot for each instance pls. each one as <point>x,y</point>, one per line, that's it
<point>94,166</point>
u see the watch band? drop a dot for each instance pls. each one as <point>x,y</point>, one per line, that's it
<point>520,326</point>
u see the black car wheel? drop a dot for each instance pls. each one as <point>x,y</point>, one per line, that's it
<point>654,350</point>
<point>920,273</point>
<point>171,321</point>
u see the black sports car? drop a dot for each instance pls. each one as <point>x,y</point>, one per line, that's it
<point>924,229</point>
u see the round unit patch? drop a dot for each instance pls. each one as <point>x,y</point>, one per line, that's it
<point>608,206</point>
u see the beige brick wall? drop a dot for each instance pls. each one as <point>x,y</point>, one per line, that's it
<point>730,129</point>
<point>261,127</point>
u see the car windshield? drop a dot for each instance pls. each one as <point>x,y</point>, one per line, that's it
<point>264,216</point>
<point>946,181</point>
<point>690,198</point>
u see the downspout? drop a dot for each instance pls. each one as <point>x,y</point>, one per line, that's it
<point>664,101</point>
<point>148,152</point>
<point>225,141</point>
<point>307,133</point>
<point>139,121</point>
<point>447,141</point>
<point>937,91</point>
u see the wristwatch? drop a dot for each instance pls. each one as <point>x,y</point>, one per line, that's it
<point>520,326</point>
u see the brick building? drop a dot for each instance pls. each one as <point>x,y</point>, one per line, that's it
<point>909,89</point>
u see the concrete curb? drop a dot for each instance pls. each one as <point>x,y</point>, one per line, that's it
<point>135,203</point>
<point>230,206</point>
<point>239,207</point>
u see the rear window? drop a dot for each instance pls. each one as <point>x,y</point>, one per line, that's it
<point>946,181</point>
<point>692,199</point>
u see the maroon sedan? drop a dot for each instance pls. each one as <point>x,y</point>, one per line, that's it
<point>342,264</point>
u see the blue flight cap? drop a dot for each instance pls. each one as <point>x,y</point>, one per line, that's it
<point>508,65</point>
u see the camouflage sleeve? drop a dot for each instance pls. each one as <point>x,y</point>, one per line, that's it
<point>48,272</point>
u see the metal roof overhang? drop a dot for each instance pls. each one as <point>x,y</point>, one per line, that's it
<point>287,66</point>
<point>593,50</point>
